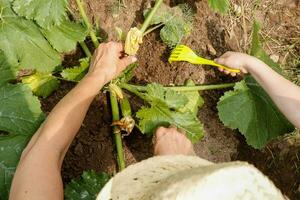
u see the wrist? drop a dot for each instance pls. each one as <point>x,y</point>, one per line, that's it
<point>251,63</point>
<point>93,83</point>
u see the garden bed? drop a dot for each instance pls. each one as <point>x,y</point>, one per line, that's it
<point>93,148</point>
<point>211,34</point>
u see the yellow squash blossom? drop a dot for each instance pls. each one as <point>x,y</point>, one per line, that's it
<point>133,40</point>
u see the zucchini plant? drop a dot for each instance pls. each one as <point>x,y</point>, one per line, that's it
<point>176,23</point>
<point>167,106</point>
<point>32,38</point>
<point>248,107</point>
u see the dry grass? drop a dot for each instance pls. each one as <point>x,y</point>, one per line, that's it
<point>280,31</point>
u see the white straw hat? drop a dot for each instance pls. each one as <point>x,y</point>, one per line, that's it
<point>189,178</point>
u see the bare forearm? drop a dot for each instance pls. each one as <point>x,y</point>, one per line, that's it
<point>65,119</point>
<point>38,173</point>
<point>284,93</point>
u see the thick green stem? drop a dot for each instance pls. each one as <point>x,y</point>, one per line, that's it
<point>150,16</point>
<point>201,87</point>
<point>87,23</point>
<point>135,88</point>
<point>152,29</point>
<point>85,49</point>
<point>125,107</point>
<point>116,132</point>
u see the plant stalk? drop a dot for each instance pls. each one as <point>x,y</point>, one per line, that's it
<point>87,23</point>
<point>85,49</point>
<point>150,16</point>
<point>201,87</point>
<point>152,29</point>
<point>116,132</point>
<point>135,88</point>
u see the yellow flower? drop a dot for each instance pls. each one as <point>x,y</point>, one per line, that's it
<point>116,90</point>
<point>133,40</point>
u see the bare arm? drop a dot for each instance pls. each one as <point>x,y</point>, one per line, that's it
<point>38,173</point>
<point>284,93</point>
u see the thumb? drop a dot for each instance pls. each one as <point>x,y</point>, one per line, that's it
<point>128,60</point>
<point>220,60</point>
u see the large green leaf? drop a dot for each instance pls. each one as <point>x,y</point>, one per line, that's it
<point>41,84</point>
<point>65,36</point>
<point>158,115</point>
<point>23,44</point>
<point>221,6</point>
<point>20,116</point>
<point>177,22</point>
<point>87,186</point>
<point>11,147</point>
<point>250,109</point>
<point>45,12</point>
<point>78,72</point>
<point>167,107</point>
<point>157,95</point>
<point>20,111</point>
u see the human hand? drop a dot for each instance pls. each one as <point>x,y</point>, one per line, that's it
<point>236,60</point>
<point>170,141</point>
<point>108,61</point>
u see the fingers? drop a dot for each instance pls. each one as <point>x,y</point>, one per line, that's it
<point>227,72</point>
<point>222,60</point>
<point>232,60</point>
<point>127,61</point>
<point>170,141</point>
<point>162,131</point>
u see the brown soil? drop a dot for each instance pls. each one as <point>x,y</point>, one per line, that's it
<point>93,147</point>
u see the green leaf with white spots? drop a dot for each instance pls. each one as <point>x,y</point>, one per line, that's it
<point>11,147</point>
<point>87,186</point>
<point>64,37</point>
<point>20,116</point>
<point>23,44</point>
<point>45,12</point>
<point>20,111</point>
